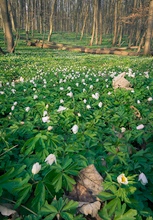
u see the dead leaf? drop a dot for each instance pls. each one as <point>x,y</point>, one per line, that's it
<point>137,113</point>
<point>90,209</point>
<point>6,211</point>
<point>91,179</point>
<point>120,82</point>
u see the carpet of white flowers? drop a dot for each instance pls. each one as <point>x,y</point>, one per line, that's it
<point>62,120</point>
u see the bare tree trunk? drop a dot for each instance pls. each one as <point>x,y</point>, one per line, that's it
<point>51,21</point>
<point>115,24</point>
<point>7,26</point>
<point>94,23</point>
<point>84,22</point>
<point>149,30</point>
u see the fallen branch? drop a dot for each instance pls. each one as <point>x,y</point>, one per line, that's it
<point>53,45</point>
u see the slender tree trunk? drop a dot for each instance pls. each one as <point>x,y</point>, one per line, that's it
<point>84,23</point>
<point>115,24</point>
<point>94,23</point>
<point>51,21</point>
<point>149,30</point>
<point>7,26</point>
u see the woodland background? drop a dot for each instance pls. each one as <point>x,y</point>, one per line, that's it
<point>124,20</point>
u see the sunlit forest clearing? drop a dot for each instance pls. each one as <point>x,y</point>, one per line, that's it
<point>76,119</point>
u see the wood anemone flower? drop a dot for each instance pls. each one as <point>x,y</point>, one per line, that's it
<point>121,179</point>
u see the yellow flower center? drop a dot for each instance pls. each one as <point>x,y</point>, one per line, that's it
<point>123,179</point>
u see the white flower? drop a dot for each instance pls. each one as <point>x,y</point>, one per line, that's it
<point>150,99</point>
<point>121,179</point>
<point>85,101</point>
<point>47,106</point>
<point>27,109</point>
<point>143,179</point>
<point>13,91</point>
<point>15,103</point>
<point>123,129</point>
<point>77,84</point>
<point>109,93</point>
<point>36,168</point>
<point>61,88</point>
<point>91,87</point>
<point>139,127</point>
<point>45,113</point>
<point>95,96</point>
<point>75,129</point>
<point>61,108</point>
<point>61,101</point>
<point>49,128</point>
<point>70,94</point>
<point>21,79</point>
<point>35,97</point>
<point>69,88</point>
<point>100,104</point>
<point>12,108</point>
<point>88,106</point>
<point>79,115</point>
<point>138,101</point>
<point>50,159</point>
<point>45,119</point>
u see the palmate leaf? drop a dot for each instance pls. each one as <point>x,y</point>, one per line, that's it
<point>48,209</point>
<point>70,205</point>
<point>130,214</point>
<point>23,194</point>
<point>39,199</point>
<point>104,196</point>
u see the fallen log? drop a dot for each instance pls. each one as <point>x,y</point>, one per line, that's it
<point>59,46</point>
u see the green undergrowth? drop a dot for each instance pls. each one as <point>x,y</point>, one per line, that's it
<point>44,93</point>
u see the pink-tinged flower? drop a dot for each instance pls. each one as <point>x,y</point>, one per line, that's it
<point>61,108</point>
<point>143,179</point>
<point>50,159</point>
<point>75,129</point>
<point>140,127</point>
<point>95,96</point>
<point>121,179</point>
<point>70,94</point>
<point>36,168</point>
<point>45,119</point>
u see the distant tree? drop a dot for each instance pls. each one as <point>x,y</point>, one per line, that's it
<point>149,30</point>
<point>7,26</point>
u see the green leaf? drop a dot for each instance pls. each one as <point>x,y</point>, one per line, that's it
<point>103,213</point>
<point>5,177</point>
<point>24,194</point>
<point>104,196</point>
<point>70,206</point>
<point>66,216</point>
<point>39,199</point>
<point>130,214</point>
<point>48,209</point>
<point>57,182</point>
